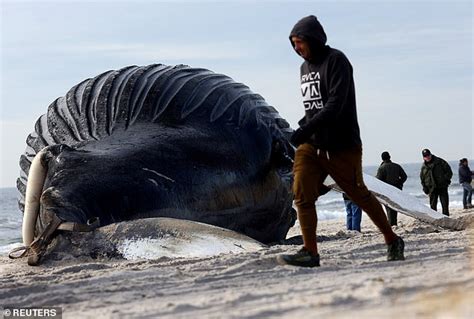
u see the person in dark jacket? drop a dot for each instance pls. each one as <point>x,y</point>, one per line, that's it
<point>393,174</point>
<point>328,141</point>
<point>465,179</point>
<point>435,178</point>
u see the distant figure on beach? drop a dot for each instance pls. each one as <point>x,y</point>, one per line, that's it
<point>353,214</point>
<point>465,179</point>
<point>435,178</point>
<point>393,174</point>
<point>328,141</point>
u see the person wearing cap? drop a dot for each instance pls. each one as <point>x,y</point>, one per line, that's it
<point>328,141</point>
<point>435,176</point>
<point>465,179</point>
<point>393,174</point>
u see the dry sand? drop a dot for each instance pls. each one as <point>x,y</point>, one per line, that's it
<point>354,280</point>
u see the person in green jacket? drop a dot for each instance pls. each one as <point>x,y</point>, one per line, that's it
<point>393,174</point>
<point>435,178</point>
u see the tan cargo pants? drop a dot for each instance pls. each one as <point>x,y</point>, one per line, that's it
<point>311,167</point>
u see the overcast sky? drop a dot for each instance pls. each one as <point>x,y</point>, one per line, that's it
<point>412,60</point>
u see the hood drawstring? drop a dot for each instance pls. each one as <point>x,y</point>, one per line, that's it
<point>326,153</point>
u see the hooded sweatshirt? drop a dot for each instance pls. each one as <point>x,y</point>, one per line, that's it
<point>328,91</point>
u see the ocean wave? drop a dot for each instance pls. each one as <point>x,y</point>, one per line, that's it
<point>420,195</point>
<point>330,214</point>
<point>331,201</point>
<point>5,249</point>
<point>455,204</point>
<point>455,192</point>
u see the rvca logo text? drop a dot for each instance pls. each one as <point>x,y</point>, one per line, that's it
<point>310,88</point>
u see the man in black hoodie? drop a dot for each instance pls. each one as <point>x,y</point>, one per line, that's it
<point>328,141</point>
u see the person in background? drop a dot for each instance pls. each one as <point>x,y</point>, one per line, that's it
<point>393,174</point>
<point>328,141</point>
<point>353,214</point>
<point>465,179</point>
<point>435,178</point>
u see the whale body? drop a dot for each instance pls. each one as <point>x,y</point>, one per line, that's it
<point>163,141</point>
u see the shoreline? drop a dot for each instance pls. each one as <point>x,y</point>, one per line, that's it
<point>435,281</point>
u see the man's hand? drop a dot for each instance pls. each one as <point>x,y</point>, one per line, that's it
<point>300,136</point>
<point>426,190</point>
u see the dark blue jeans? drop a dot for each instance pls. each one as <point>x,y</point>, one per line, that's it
<point>354,215</point>
<point>467,194</point>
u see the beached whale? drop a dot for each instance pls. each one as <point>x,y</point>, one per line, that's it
<point>158,141</point>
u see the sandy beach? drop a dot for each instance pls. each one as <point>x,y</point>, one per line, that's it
<point>354,281</point>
